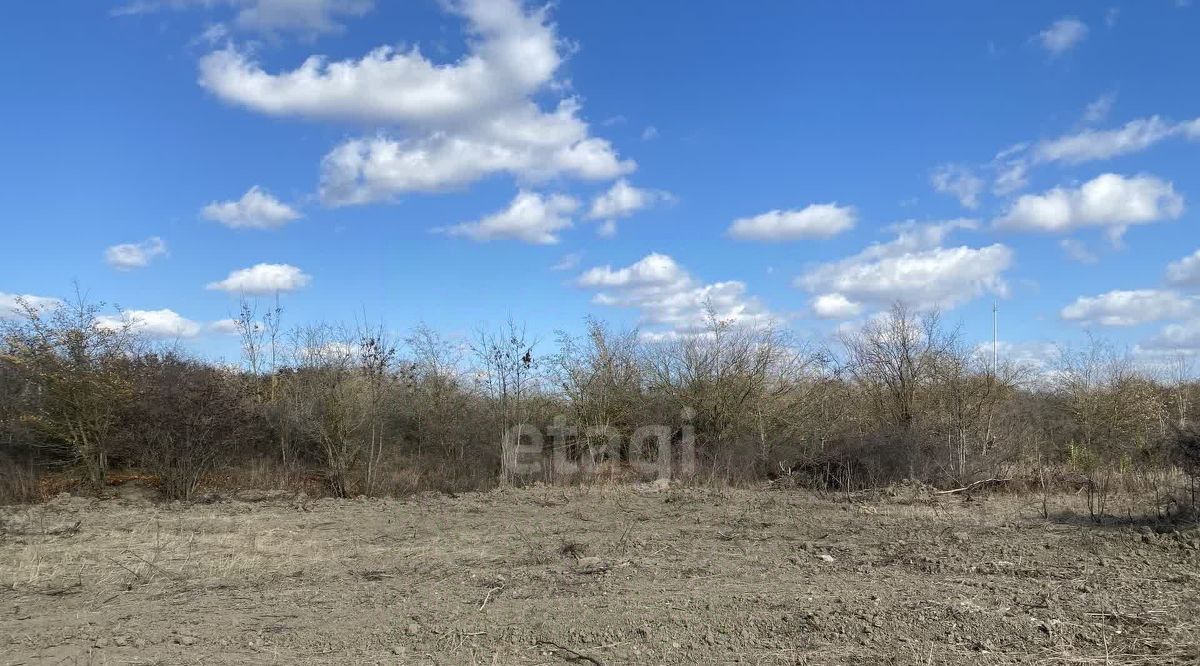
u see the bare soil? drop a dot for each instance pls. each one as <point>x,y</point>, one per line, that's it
<point>600,575</point>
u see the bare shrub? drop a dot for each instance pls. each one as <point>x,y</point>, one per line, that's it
<point>77,363</point>
<point>184,417</point>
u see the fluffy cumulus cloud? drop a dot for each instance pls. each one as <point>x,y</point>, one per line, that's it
<point>835,306</point>
<point>958,181</point>
<point>374,169</point>
<point>257,209</point>
<point>1062,35</point>
<point>669,300</point>
<point>128,256</point>
<point>1128,308</point>
<point>813,221</point>
<point>1109,201</point>
<point>263,279</point>
<point>307,17</point>
<point>156,324</point>
<point>623,200</point>
<point>448,124</point>
<point>913,268</point>
<point>1186,271</point>
<point>12,305</point>
<point>530,217</point>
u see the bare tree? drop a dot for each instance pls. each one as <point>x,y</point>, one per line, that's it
<point>507,372</point>
<point>328,400</point>
<point>376,357</point>
<point>1115,413</point>
<point>893,360</point>
<point>733,377</point>
<point>968,390</point>
<point>440,404</point>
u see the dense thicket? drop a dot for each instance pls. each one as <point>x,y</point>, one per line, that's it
<point>356,411</point>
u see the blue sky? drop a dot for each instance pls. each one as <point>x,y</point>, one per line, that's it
<point>461,161</point>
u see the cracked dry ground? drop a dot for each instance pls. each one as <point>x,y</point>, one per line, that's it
<point>592,575</point>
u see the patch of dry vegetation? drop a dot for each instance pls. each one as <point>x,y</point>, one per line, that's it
<point>347,411</point>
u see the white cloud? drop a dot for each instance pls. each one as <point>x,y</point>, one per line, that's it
<point>262,279</point>
<point>1110,201</point>
<point>10,304</point>
<point>1062,35</point>
<point>650,133</point>
<point>530,217</point>
<point>257,209</point>
<point>308,17</point>
<point>511,55</point>
<point>835,306</point>
<point>1078,251</point>
<point>622,200</point>
<point>813,221</point>
<point>1037,355</point>
<point>1186,271</point>
<point>1098,110</point>
<point>1012,171</point>
<point>1128,308</point>
<point>669,300</point>
<point>128,256</point>
<point>1088,145</point>
<point>913,268</point>
<point>534,147</point>
<point>1183,337</point>
<point>959,182</point>
<point>158,324</point>
<point>653,269</point>
<point>1011,166</point>
<point>461,121</point>
<point>225,327</point>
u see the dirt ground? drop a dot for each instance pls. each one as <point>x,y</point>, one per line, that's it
<point>602,575</point>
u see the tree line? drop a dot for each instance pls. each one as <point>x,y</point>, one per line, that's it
<point>358,410</point>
